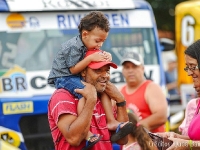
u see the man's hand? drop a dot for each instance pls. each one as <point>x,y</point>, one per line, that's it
<point>89,92</point>
<point>113,92</point>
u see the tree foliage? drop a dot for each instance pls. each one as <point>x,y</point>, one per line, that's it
<point>164,11</point>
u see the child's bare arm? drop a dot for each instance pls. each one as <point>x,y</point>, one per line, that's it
<point>85,62</point>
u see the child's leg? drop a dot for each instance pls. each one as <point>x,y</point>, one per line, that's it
<point>70,83</point>
<point>122,128</point>
<point>112,123</point>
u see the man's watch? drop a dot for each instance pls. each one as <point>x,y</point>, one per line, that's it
<point>121,104</point>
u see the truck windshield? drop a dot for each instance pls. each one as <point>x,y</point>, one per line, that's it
<point>35,51</point>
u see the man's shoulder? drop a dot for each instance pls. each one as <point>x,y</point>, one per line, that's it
<point>61,95</point>
<point>148,81</point>
<point>155,91</point>
<point>62,92</point>
<point>151,85</point>
<point>145,85</point>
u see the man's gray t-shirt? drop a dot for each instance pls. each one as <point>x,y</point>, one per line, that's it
<point>70,53</point>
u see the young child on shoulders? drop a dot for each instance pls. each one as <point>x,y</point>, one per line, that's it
<point>70,61</point>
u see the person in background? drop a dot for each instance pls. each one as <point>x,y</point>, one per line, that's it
<point>171,76</point>
<point>144,97</point>
<point>190,140</point>
<point>138,139</point>
<point>70,61</point>
<point>69,129</point>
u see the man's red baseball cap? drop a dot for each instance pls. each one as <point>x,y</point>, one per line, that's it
<point>99,64</point>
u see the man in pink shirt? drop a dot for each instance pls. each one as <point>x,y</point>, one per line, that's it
<point>68,129</point>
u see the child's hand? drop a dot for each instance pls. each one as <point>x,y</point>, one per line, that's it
<point>98,56</point>
<point>108,56</point>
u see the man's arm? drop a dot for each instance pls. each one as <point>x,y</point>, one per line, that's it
<point>122,116</point>
<point>75,128</point>
<point>157,103</point>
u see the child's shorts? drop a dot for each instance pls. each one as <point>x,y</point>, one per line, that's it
<point>70,83</point>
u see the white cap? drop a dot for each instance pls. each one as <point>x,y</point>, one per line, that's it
<point>133,57</point>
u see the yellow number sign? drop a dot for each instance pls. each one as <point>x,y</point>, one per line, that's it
<point>187,31</point>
